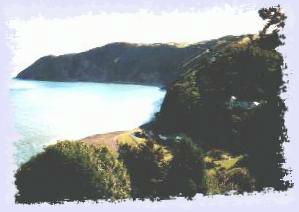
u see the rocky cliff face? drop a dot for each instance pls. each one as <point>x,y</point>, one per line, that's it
<point>156,64</point>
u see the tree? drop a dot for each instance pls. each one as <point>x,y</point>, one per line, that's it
<point>147,164</point>
<point>275,18</point>
<point>72,171</point>
<point>263,134</point>
<point>186,173</point>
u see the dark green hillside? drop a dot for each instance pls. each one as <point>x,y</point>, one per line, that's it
<point>155,64</point>
<point>229,98</point>
<point>237,77</point>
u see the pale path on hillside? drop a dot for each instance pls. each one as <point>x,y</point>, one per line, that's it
<point>111,140</point>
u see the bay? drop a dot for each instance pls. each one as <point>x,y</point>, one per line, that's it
<point>44,112</point>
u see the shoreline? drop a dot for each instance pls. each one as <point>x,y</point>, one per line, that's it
<point>158,85</point>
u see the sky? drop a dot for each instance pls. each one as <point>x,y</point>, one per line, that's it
<point>37,36</point>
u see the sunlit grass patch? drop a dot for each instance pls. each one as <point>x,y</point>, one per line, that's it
<point>229,162</point>
<point>222,174</point>
<point>130,139</point>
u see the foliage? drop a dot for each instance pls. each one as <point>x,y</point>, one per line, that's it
<point>72,171</point>
<point>147,164</point>
<point>275,20</point>
<point>224,181</point>
<point>159,172</point>
<point>225,173</point>
<point>185,175</point>
<point>251,70</point>
<point>274,16</point>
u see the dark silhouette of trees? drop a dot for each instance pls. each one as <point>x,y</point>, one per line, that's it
<point>230,99</point>
<point>275,18</point>
<point>155,175</point>
<point>186,173</point>
<point>276,21</point>
<point>146,168</point>
<point>72,171</point>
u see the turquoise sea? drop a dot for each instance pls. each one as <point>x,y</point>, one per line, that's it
<point>44,112</point>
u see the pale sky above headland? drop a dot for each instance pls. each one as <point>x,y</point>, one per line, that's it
<point>39,36</point>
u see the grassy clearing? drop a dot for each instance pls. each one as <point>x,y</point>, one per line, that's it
<point>228,163</point>
<point>128,138</point>
<point>221,168</point>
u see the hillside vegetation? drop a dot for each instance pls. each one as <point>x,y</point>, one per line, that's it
<point>229,98</point>
<point>72,171</point>
<point>153,64</point>
<point>220,128</point>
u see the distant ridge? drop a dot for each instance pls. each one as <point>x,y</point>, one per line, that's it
<point>147,64</point>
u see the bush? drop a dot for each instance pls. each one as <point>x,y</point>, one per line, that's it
<point>147,164</point>
<point>72,171</point>
<point>158,172</point>
<point>186,174</point>
<point>240,179</point>
<point>237,179</point>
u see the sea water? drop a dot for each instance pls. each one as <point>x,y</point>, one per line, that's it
<point>44,112</point>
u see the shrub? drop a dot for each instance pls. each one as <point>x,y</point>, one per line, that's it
<point>72,171</point>
<point>241,179</point>
<point>186,173</point>
<point>237,179</point>
<point>158,172</point>
<point>147,164</point>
